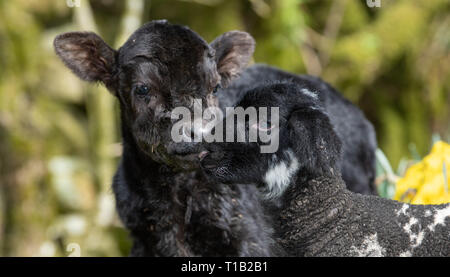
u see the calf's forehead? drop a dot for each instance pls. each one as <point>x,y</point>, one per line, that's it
<point>166,43</point>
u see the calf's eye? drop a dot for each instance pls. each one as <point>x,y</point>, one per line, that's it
<point>141,90</point>
<point>216,88</point>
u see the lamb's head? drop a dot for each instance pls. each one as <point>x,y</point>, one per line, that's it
<point>160,67</point>
<point>308,145</point>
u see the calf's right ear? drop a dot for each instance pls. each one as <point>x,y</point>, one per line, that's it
<point>87,55</point>
<point>234,50</point>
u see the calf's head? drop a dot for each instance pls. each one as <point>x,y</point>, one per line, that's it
<point>308,145</point>
<point>160,67</point>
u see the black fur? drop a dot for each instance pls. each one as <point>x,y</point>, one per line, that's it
<point>316,215</point>
<point>173,213</point>
<point>175,65</point>
<point>168,210</point>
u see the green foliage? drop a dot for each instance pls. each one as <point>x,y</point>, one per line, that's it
<point>59,137</point>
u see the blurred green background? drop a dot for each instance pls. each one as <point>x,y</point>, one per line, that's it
<point>59,141</point>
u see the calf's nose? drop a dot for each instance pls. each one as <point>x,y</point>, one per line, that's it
<point>202,155</point>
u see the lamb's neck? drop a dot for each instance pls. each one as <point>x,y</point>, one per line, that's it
<point>318,189</point>
<point>312,209</point>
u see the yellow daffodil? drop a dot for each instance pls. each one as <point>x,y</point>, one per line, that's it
<point>424,182</point>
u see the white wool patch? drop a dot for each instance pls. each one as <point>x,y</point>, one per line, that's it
<point>439,217</point>
<point>403,210</point>
<point>309,93</point>
<point>279,175</point>
<point>405,254</point>
<point>415,239</point>
<point>369,248</point>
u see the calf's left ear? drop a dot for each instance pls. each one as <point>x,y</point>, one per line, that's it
<point>234,50</point>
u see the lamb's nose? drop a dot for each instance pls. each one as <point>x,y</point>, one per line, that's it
<point>202,155</point>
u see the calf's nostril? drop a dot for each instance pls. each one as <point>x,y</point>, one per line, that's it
<point>202,155</point>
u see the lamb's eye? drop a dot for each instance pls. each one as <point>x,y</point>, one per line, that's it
<point>141,90</point>
<point>216,88</point>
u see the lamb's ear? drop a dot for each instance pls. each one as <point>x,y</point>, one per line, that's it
<point>87,55</point>
<point>314,142</point>
<point>234,50</point>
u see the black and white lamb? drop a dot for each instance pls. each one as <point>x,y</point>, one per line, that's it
<point>316,215</point>
<point>353,129</point>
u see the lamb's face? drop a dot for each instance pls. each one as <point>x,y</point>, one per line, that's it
<point>244,162</point>
<point>160,67</point>
<point>308,145</point>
